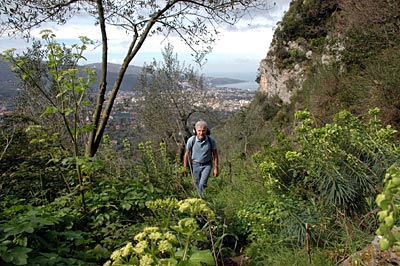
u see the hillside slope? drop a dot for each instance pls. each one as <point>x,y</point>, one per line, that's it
<point>9,81</point>
<point>336,54</point>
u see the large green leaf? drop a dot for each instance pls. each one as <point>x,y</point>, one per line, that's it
<point>18,256</point>
<point>202,256</point>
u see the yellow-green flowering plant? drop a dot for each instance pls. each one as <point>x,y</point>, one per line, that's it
<point>174,242</point>
<point>388,201</point>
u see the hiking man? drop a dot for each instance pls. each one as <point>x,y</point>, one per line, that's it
<point>201,155</point>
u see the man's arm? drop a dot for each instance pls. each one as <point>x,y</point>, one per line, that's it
<point>215,157</point>
<point>186,159</point>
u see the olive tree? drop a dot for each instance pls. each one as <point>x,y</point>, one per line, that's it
<point>196,22</point>
<point>171,94</point>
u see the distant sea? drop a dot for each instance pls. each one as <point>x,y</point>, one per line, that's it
<point>248,85</point>
<point>248,78</point>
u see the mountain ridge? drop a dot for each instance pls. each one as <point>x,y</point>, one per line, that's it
<point>9,85</point>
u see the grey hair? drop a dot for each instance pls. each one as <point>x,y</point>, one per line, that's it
<point>201,123</point>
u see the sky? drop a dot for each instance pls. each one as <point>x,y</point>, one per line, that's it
<point>236,54</point>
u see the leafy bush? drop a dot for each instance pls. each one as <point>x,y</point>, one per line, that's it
<point>63,233</point>
<point>325,178</point>
<point>344,161</point>
<point>41,235</point>
<point>30,172</point>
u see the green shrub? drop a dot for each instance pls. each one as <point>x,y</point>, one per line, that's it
<point>389,214</point>
<point>41,235</point>
<point>325,178</point>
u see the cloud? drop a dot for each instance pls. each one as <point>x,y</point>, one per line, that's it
<point>238,48</point>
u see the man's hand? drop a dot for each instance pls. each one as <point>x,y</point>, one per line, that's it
<point>215,172</point>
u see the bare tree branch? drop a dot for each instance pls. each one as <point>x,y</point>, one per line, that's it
<point>195,22</point>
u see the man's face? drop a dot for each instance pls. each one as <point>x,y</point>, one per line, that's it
<point>201,132</point>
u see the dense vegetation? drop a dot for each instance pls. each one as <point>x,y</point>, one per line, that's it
<point>305,183</point>
<point>316,188</point>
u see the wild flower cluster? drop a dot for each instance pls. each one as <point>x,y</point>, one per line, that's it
<point>160,245</point>
<point>195,207</point>
<point>192,206</point>
<point>152,248</point>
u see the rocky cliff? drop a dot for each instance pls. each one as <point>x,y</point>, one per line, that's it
<point>317,32</point>
<point>280,81</point>
<point>300,40</point>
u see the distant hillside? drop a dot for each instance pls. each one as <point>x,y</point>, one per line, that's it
<point>130,81</point>
<point>114,68</point>
<point>9,81</point>
<point>133,72</point>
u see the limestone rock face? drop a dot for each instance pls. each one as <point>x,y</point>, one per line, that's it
<point>280,82</point>
<point>284,81</point>
<point>373,256</point>
<point>307,37</point>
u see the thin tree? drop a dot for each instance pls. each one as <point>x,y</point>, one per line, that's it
<point>169,94</point>
<point>195,22</point>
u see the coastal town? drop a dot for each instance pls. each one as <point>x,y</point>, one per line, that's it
<point>224,99</point>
